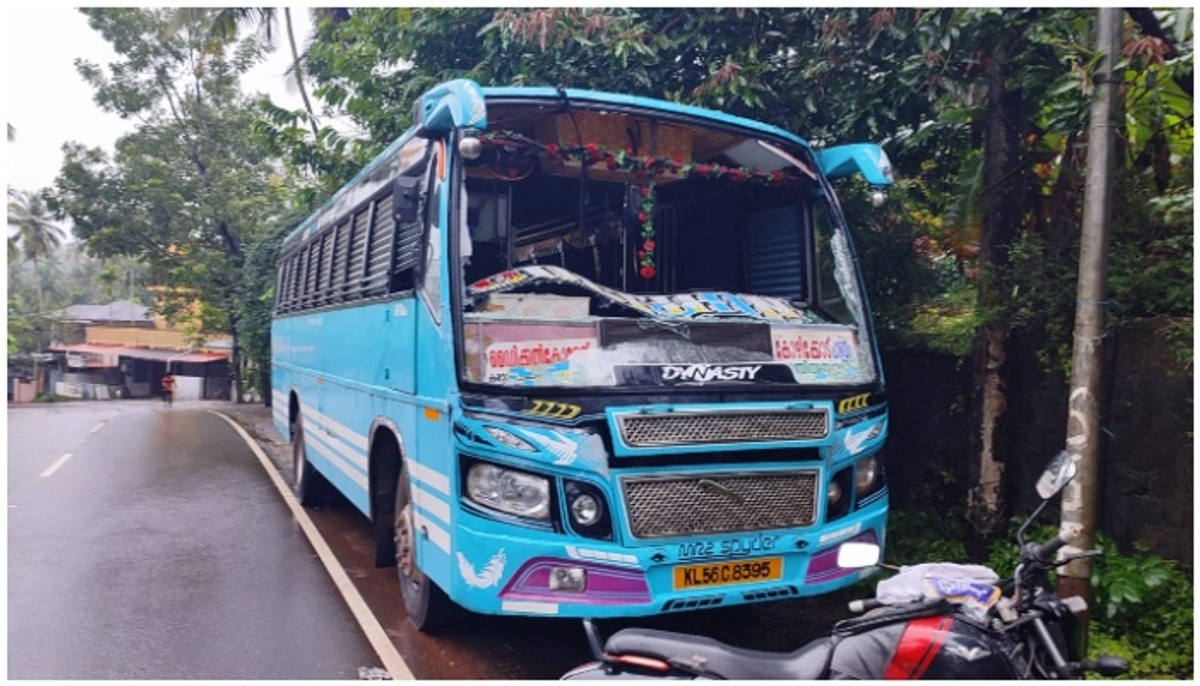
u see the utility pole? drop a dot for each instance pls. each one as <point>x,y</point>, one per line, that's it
<point>1079,504</point>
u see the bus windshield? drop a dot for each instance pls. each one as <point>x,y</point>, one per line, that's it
<point>626,248</point>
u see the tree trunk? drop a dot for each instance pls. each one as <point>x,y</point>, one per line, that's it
<point>298,72</point>
<point>1087,363</point>
<point>235,364</point>
<point>1002,206</point>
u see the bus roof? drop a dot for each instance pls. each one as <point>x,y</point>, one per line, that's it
<point>639,102</point>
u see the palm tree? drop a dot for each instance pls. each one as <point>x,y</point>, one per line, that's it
<point>36,236</point>
<point>224,23</point>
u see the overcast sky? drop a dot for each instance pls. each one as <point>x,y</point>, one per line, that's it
<point>49,103</point>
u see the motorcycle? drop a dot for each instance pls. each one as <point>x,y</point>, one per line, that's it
<point>928,621</point>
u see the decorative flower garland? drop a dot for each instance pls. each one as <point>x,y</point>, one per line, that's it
<point>648,169</point>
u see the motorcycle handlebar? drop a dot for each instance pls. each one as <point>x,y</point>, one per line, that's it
<point>864,605</point>
<point>1043,552</point>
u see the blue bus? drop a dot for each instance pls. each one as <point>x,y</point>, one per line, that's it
<point>585,354</point>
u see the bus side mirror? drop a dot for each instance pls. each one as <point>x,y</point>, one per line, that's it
<point>866,158</point>
<point>406,199</point>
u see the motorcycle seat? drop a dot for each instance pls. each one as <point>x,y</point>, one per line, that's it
<point>706,656</point>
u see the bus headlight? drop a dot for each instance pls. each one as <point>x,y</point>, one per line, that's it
<point>588,510</point>
<point>585,510</point>
<point>509,491</point>
<point>866,475</point>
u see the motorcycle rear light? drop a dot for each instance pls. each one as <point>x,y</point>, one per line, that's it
<point>571,579</point>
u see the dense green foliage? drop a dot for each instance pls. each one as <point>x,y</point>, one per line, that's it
<point>916,80</point>
<point>190,190</point>
<point>1145,613</point>
<point>1142,607</point>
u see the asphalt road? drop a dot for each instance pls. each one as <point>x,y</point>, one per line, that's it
<point>147,542</point>
<point>486,647</point>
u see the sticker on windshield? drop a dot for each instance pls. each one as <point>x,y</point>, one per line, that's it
<point>818,354</point>
<point>533,362</point>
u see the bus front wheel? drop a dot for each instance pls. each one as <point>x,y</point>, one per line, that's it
<point>305,480</point>
<point>428,607</point>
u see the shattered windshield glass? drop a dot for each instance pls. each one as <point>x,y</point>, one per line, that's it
<point>619,249</point>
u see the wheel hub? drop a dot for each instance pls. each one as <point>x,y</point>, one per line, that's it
<point>404,541</point>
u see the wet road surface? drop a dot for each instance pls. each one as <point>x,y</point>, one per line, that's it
<point>488,647</point>
<point>159,549</point>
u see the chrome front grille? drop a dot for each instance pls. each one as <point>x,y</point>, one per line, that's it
<point>691,428</point>
<point>692,505</point>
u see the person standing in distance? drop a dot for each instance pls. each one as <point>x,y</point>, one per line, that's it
<point>168,388</point>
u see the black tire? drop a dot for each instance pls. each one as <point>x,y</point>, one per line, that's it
<point>428,607</point>
<point>383,517</point>
<point>306,482</point>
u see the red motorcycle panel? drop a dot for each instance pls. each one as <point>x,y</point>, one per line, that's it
<point>919,645</point>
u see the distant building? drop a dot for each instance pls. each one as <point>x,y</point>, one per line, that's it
<point>122,350</point>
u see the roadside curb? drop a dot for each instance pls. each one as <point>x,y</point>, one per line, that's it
<point>393,663</point>
<point>257,420</point>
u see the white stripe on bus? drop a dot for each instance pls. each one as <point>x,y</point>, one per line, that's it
<point>436,507</point>
<point>355,475</point>
<point>346,455</point>
<point>355,439</point>
<point>426,475</point>
<point>439,536</point>
<point>353,456</point>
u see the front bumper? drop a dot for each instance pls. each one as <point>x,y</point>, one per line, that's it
<point>498,573</point>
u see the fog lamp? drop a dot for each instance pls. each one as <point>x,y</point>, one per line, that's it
<point>568,579</point>
<point>585,510</point>
<point>835,492</point>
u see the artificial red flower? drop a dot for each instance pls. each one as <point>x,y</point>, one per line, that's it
<point>641,254</point>
<point>642,217</point>
<point>649,245</point>
<point>552,148</point>
<point>592,147</point>
<point>647,272</point>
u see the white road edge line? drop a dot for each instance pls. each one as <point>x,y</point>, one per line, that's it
<point>392,662</point>
<point>57,463</point>
<point>98,427</point>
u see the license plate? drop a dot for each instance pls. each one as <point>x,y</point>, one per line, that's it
<point>728,573</point>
